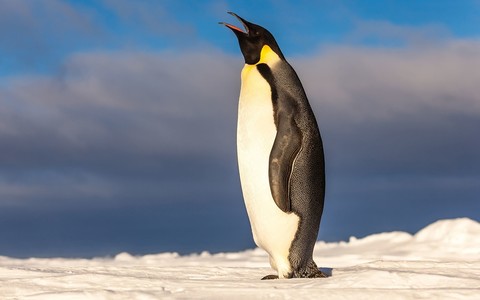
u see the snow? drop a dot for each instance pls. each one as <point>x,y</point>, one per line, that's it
<point>442,261</point>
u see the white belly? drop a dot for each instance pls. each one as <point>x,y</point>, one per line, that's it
<point>273,230</point>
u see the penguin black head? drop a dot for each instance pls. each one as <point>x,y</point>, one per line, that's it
<point>253,39</point>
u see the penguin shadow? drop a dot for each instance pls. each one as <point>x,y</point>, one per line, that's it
<point>327,271</point>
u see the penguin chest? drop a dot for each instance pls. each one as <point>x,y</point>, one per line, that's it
<point>273,229</point>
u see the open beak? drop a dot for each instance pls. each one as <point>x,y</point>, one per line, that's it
<point>235,28</point>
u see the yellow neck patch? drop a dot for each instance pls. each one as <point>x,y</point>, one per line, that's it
<point>267,55</point>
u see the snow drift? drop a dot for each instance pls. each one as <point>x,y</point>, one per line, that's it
<point>440,261</point>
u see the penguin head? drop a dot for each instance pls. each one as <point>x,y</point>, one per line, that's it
<point>253,39</point>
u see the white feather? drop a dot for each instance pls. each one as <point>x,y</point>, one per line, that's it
<point>273,230</point>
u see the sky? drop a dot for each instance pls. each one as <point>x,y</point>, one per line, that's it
<point>118,119</point>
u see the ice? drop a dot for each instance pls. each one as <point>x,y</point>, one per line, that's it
<point>442,261</point>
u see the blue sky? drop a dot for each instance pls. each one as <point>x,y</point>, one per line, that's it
<point>60,28</point>
<point>117,119</point>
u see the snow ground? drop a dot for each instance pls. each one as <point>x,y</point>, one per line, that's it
<point>442,261</point>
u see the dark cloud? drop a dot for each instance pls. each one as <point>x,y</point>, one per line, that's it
<point>412,111</point>
<point>135,148</point>
<point>122,116</point>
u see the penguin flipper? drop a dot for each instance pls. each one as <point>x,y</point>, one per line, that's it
<point>286,146</point>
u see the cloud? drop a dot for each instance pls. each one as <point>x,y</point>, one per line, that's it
<point>388,33</point>
<point>32,33</point>
<point>125,117</point>
<point>153,133</point>
<point>405,111</point>
<point>383,112</point>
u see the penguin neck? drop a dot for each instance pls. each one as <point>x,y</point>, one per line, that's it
<point>267,56</point>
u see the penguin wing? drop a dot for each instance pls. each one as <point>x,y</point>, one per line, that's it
<point>286,146</point>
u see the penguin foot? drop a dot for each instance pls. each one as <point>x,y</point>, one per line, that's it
<point>268,277</point>
<point>318,274</point>
<point>311,272</point>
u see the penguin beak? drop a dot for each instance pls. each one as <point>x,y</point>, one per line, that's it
<point>234,28</point>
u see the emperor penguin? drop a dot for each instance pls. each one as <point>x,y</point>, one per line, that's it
<point>280,156</point>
